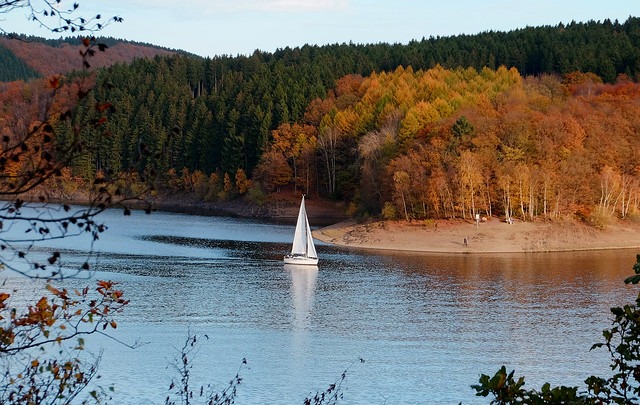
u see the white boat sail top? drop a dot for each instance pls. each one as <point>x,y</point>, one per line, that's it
<point>303,250</point>
<point>302,239</point>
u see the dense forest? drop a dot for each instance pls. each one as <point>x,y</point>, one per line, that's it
<point>535,123</point>
<point>605,48</point>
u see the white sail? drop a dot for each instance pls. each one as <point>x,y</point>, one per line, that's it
<point>300,237</point>
<point>303,250</point>
<point>311,248</point>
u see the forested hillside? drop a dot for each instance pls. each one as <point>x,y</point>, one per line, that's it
<point>13,68</point>
<point>23,58</point>
<point>534,123</point>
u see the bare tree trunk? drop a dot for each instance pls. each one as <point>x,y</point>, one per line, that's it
<point>295,176</point>
<point>328,141</point>
<point>544,198</point>
<point>521,194</point>
<point>473,201</point>
<point>507,203</point>
<point>532,204</point>
<point>404,205</point>
<point>488,209</point>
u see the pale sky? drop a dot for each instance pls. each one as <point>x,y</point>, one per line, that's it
<point>232,27</point>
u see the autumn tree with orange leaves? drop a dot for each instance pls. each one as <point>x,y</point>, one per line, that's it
<point>445,143</point>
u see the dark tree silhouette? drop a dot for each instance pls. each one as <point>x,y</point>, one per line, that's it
<point>56,16</point>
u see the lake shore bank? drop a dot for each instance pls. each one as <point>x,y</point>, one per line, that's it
<point>435,236</point>
<point>492,236</point>
<point>280,208</point>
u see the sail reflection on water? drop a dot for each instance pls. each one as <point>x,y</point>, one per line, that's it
<point>303,284</point>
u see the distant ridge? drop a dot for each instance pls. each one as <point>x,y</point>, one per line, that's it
<point>14,68</point>
<point>23,58</point>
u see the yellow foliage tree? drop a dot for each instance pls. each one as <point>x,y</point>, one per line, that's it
<point>242,182</point>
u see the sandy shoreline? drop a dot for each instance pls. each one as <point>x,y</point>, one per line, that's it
<point>493,236</point>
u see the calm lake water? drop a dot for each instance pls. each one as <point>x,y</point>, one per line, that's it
<point>426,325</point>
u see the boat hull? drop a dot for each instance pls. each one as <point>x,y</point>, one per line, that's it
<point>311,261</point>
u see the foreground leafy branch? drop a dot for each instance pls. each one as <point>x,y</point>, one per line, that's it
<point>507,390</point>
<point>63,316</point>
<point>31,375</point>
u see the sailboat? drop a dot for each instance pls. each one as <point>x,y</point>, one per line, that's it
<point>303,250</point>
